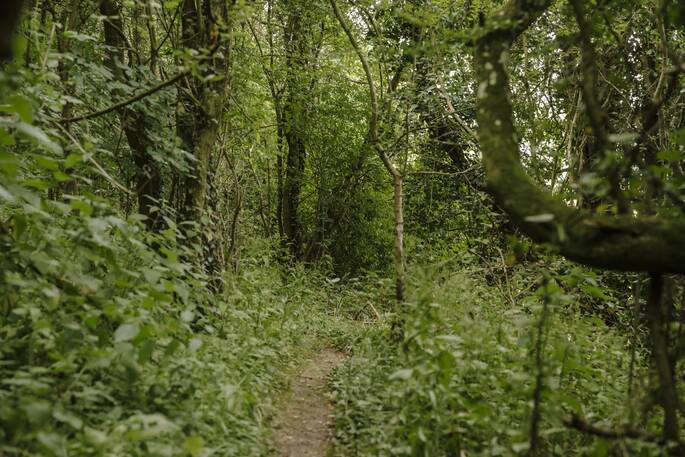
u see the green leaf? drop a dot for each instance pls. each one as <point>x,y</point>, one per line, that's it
<point>678,136</point>
<point>68,418</point>
<point>6,195</point>
<point>72,159</point>
<point>38,184</point>
<point>38,136</point>
<point>671,156</point>
<point>402,375</point>
<point>60,176</point>
<point>22,107</point>
<point>126,332</point>
<point>193,445</point>
<point>53,442</point>
<point>46,163</point>
<point>540,218</point>
<point>70,34</point>
<point>81,205</point>
<point>9,164</point>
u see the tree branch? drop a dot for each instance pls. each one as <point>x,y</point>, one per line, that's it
<point>624,242</point>
<point>128,101</point>
<point>578,423</point>
<point>373,121</point>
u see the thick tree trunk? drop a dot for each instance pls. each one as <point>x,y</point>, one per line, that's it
<point>201,105</point>
<point>292,187</point>
<point>10,11</point>
<point>138,126</point>
<point>293,117</point>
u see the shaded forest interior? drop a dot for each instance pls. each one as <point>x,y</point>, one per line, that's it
<point>479,202</point>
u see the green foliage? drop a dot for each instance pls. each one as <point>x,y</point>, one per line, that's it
<point>110,348</point>
<point>123,338</point>
<point>113,343</point>
<point>463,377</point>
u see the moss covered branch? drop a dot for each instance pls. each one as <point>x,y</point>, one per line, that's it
<point>624,242</point>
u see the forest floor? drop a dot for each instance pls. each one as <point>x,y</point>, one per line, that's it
<point>303,427</point>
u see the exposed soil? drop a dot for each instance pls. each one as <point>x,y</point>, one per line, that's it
<point>303,426</point>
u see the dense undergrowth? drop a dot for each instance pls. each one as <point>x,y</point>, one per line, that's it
<point>109,347</point>
<point>463,379</point>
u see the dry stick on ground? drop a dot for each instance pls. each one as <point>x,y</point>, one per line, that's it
<point>400,269</point>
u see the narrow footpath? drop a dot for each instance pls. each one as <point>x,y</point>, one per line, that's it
<point>303,428</point>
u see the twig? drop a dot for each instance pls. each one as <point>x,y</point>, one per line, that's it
<point>141,95</point>
<point>98,167</point>
<point>453,115</point>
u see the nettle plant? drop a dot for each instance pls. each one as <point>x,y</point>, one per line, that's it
<point>91,304</point>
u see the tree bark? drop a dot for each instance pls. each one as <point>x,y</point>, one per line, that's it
<point>10,13</point>
<point>200,109</point>
<point>658,326</point>
<point>293,118</point>
<point>400,262</point>
<point>137,124</point>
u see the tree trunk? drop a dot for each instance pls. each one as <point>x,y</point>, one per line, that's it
<point>400,261</point>
<point>200,108</point>
<point>658,325</point>
<point>138,126</point>
<point>293,116</point>
<point>10,11</point>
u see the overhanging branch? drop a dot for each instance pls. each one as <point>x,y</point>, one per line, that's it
<point>624,242</point>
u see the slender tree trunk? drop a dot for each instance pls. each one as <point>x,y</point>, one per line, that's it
<point>68,21</point>
<point>658,325</point>
<point>400,261</point>
<point>279,173</point>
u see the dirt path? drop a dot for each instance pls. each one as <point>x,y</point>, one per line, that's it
<point>303,426</point>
